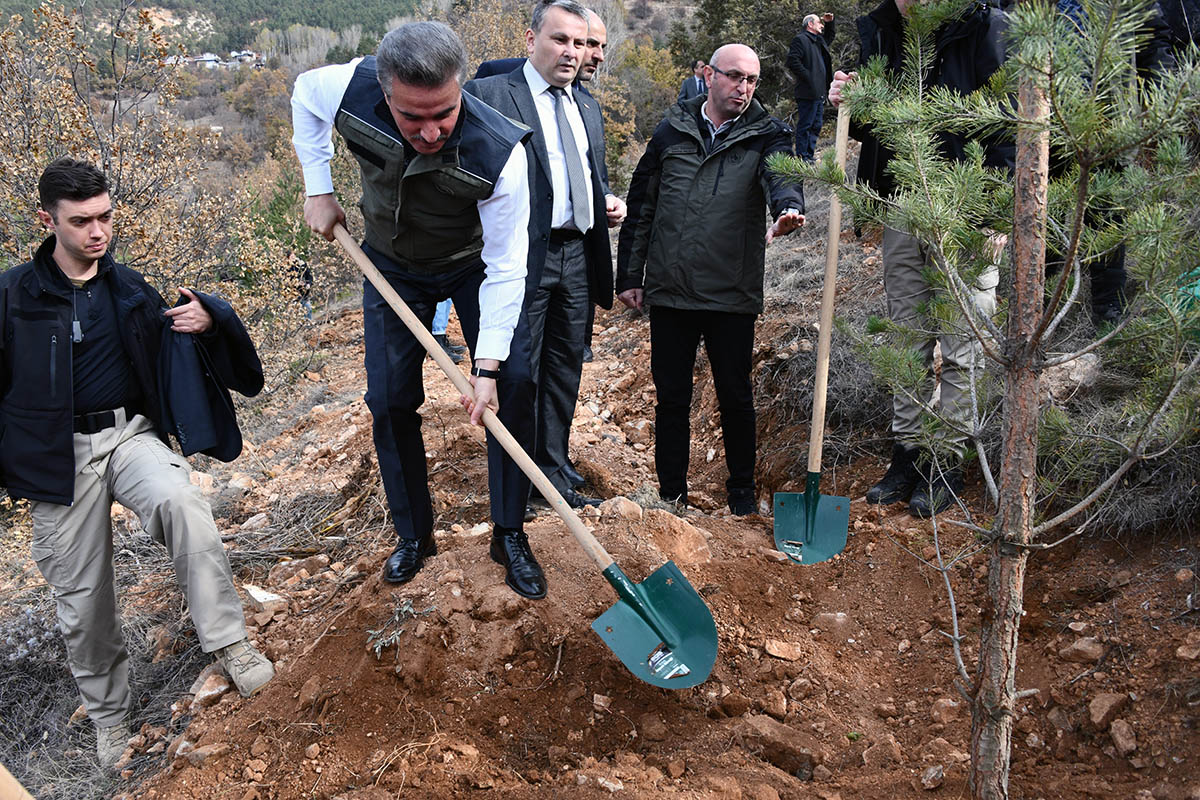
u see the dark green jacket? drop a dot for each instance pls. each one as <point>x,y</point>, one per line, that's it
<point>694,237</point>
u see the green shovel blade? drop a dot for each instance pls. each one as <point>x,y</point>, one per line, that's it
<point>811,527</point>
<point>660,628</point>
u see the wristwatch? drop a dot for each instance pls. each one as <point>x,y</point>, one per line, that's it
<point>480,372</point>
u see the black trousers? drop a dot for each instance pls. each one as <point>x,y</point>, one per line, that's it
<point>729,341</point>
<point>395,391</point>
<point>557,315</point>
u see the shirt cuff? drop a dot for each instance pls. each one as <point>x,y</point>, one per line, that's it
<point>317,180</point>
<point>492,344</point>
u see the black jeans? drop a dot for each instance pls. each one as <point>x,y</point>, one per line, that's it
<point>729,341</point>
<point>395,391</point>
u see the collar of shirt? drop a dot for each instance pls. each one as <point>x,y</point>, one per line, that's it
<point>538,84</point>
<point>713,129</point>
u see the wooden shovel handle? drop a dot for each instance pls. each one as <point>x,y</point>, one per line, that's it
<point>10,788</point>
<point>585,538</point>
<point>816,436</point>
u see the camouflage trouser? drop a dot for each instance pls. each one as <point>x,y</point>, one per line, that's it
<point>73,548</point>
<point>904,264</point>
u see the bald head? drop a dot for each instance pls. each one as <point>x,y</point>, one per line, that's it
<point>733,51</point>
<point>732,76</point>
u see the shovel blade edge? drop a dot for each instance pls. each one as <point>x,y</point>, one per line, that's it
<point>827,536</point>
<point>643,651</point>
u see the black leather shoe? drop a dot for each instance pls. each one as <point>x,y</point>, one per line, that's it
<point>407,559</point>
<point>523,573</point>
<point>741,502</point>
<point>572,475</point>
<point>574,500</point>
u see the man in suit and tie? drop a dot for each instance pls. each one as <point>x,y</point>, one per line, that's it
<point>570,260</point>
<point>695,85</point>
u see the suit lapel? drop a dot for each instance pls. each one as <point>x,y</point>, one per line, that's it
<point>523,100</point>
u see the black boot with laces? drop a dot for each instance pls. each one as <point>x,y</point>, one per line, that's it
<point>900,480</point>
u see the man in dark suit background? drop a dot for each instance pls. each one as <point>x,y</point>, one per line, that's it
<point>570,260</point>
<point>808,59</point>
<point>695,85</point>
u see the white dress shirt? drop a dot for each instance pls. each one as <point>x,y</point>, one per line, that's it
<point>504,215</point>
<point>563,214</point>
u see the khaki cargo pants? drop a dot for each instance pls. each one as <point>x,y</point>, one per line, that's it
<point>904,264</point>
<point>73,548</point>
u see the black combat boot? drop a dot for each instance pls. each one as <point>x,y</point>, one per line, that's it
<point>935,494</point>
<point>901,478</point>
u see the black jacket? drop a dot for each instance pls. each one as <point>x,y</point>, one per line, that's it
<point>694,236</point>
<point>509,94</point>
<point>195,375</point>
<point>808,59</point>
<point>37,457</point>
<point>967,51</point>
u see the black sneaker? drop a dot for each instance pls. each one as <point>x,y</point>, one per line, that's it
<point>935,495</point>
<point>900,480</point>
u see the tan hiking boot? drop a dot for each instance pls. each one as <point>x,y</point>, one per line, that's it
<point>249,669</point>
<point>111,742</point>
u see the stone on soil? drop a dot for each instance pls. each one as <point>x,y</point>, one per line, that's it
<point>1188,652</point>
<point>622,508</point>
<point>210,691</point>
<point>1086,650</point>
<point>653,728</point>
<point>677,539</point>
<point>785,747</point>
<point>933,777</point>
<point>884,753</point>
<point>788,651</point>
<point>774,702</point>
<point>944,711</point>
<point>735,704</point>
<point>262,600</point>
<point>286,569</point>
<point>1104,708</point>
<point>1123,737</point>
<point>198,755</point>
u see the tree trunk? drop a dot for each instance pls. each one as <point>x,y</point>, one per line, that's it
<point>995,678</point>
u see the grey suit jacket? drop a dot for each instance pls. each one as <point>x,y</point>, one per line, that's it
<point>509,94</point>
<point>690,88</point>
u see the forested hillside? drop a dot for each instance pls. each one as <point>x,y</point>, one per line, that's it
<point>232,24</point>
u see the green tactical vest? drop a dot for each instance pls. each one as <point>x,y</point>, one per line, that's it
<point>422,213</point>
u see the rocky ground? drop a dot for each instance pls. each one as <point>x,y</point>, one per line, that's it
<point>832,681</point>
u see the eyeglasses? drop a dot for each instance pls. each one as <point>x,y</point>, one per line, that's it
<point>738,77</point>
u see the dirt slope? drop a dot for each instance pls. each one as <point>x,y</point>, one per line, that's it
<point>831,681</point>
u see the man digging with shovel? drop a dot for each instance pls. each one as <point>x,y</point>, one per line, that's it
<point>446,207</point>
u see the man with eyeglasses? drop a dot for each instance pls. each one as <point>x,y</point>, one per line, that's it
<point>692,249</point>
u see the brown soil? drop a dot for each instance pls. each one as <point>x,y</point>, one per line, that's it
<point>483,690</point>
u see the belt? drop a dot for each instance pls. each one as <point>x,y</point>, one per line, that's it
<point>560,235</point>
<point>95,421</point>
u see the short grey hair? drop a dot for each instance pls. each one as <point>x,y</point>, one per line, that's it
<point>539,11</point>
<point>425,54</point>
<point>811,18</point>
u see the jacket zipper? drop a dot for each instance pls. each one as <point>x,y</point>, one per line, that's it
<point>53,366</point>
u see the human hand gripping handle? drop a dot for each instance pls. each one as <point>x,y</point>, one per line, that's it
<point>840,79</point>
<point>582,535</point>
<point>322,212</point>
